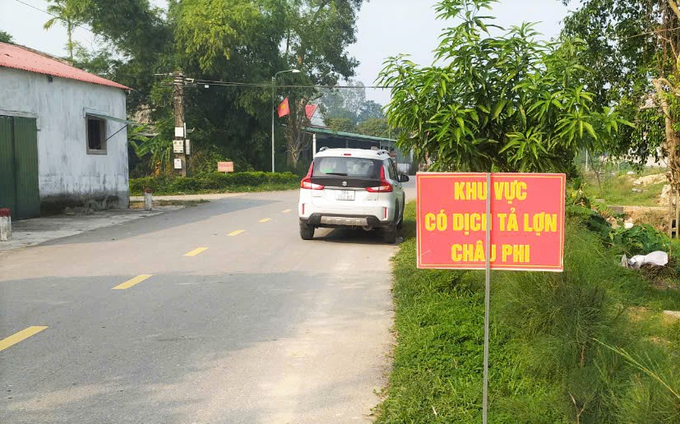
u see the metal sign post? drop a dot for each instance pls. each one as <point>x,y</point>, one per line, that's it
<point>487,299</point>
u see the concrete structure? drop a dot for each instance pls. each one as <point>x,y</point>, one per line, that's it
<point>78,122</point>
<point>5,225</point>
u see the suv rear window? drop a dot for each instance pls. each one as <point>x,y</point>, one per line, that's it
<point>347,167</point>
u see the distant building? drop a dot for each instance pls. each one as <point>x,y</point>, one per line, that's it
<point>325,137</point>
<point>63,135</point>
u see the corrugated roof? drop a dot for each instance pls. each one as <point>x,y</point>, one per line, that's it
<point>17,57</point>
<point>347,135</point>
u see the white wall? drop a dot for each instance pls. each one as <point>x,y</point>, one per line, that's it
<point>66,170</point>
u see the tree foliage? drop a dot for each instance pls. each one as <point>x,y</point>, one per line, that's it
<point>344,103</point>
<point>635,48</point>
<point>244,41</point>
<point>509,102</point>
<point>6,37</point>
<point>348,110</point>
<point>68,13</point>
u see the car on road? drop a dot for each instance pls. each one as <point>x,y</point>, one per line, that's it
<point>357,188</point>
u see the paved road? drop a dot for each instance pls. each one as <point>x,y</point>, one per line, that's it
<point>255,325</point>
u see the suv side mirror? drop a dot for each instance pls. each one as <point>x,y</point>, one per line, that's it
<point>403,178</point>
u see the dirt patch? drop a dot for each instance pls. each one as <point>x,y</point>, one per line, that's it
<point>637,313</point>
<point>661,277</point>
<point>650,179</point>
<point>657,217</point>
<point>671,317</point>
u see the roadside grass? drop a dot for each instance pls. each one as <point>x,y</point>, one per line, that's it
<point>553,356</point>
<point>437,371</point>
<point>618,190</point>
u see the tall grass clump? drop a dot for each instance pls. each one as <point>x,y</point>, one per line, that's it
<point>564,326</point>
<point>437,371</point>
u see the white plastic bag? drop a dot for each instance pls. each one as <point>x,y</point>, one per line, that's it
<point>657,258</point>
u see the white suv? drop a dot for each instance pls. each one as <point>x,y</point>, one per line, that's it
<point>352,188</point>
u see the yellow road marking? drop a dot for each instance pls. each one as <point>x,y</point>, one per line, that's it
<point>286,211</point>
<point>20,336</point>
<point>129,283</point>
<point>196,251</point>
<point>235,233</point>
<point>265,220</point>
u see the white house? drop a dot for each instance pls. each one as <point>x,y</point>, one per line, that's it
<point>63,135</point>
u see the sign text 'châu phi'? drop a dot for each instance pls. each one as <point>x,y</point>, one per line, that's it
<point>527,221</point>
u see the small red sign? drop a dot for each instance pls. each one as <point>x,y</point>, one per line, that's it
<point>527,221</point>
<point>225,167</point>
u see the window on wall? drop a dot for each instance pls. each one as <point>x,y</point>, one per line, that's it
<point>96,135</point>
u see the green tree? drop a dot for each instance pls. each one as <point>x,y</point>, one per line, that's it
<point>375,127</point>
<point>66,12</point>
<point>507,103</point>
<point>243,45</point>
<point>5,37</point>
<point>341,124</point>
<point>99,62</point>
<point>316,36</point>
<point>344,103</point>
<point>635,48</point>
<point>370,110</point>
<point>244,41</point>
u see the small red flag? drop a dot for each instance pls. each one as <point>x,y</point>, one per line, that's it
<point>310,110</point>
<point>284,109</point>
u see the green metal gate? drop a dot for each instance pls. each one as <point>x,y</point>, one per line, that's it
<point>19,166</point>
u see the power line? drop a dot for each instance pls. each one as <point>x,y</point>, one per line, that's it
<point>198,81</point>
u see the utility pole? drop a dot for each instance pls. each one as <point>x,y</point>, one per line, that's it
<point>273,116</point>
<point>180,162</point>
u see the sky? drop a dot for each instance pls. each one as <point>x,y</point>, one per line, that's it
<point>385,28</point>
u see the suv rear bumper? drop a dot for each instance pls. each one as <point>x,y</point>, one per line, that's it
<point>334,221</point>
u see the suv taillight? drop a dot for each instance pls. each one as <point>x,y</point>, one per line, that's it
<point>384,187</point>
<point>307,183</point>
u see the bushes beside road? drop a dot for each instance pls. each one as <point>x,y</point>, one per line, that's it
<point>215,183</point>
<point>564,346</point>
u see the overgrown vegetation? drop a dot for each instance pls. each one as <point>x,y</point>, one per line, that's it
<point>507,103</point>
<point>215,183</point>
<point>616,186</point>
<point>588,345</point>
<point>243,42</point>
<point>634,50</point>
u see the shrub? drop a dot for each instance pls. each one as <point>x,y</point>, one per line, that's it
<point>215,182</point>
<point>640,240</point>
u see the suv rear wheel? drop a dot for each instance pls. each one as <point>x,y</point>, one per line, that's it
<point>306,232</point>
<point>390,232</point>
<point>400,223</point>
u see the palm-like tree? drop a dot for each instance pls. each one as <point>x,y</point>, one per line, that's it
<point>66,12</point>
